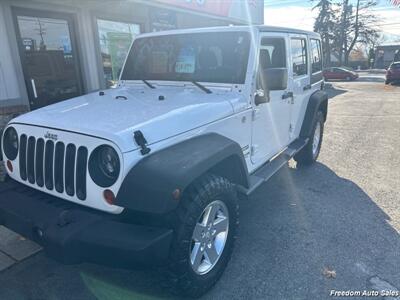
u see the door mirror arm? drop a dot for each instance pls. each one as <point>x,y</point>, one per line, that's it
<point>287,95</point>
<point>260,96</point>
<point>260,93</point>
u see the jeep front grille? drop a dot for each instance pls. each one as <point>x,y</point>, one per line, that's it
<point>53,166</point>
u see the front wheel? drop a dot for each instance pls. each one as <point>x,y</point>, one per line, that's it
<point>310,152</point>
<point>205,231</point>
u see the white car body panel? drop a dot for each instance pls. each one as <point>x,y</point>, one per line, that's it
<point>183,109</point>
<point>300,99</point>
<point>185,112</point>
<point>270,132</point>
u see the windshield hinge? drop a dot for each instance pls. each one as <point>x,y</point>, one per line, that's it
<point>254,114</point>
<point>141,141</point>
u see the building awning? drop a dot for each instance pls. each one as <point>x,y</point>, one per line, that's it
<point>245,11</point>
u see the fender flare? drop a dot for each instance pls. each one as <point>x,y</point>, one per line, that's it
<point>149,185</point>
<point>318,101</point>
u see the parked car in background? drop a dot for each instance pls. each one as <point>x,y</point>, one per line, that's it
<point>393,73</point>
<point>339,74</point>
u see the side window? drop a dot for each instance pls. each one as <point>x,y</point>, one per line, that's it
<point>272,74</point>
<point>299,56</point>
<point>273,53</point>
<point>316,56</point>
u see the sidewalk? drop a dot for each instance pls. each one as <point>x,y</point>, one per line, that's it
<point>14,248</point>
<point>372,71</point>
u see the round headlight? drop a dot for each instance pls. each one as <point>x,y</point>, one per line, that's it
<point>104,166</point>
<point>10,143</point>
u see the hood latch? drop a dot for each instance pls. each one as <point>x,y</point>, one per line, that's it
<point>141,141</point>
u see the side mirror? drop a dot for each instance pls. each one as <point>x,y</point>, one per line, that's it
<point>270,79</point>
<point>260,97</point>
<point>276,79</point>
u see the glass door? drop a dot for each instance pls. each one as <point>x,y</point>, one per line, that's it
<point>48,56</point>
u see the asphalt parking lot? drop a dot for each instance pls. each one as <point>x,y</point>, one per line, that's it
<point>332,226</point>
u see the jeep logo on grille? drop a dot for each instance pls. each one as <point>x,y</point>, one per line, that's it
<point>51,136</point>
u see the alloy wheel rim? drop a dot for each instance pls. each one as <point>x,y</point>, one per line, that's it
<point>316,139</point>
<point>209,237</point>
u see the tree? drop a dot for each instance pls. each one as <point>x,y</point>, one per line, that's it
<point>342,23</point>
<point>356,26</point>
<point>324,25</point>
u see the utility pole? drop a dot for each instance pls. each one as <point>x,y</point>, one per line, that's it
<point>42,31</point>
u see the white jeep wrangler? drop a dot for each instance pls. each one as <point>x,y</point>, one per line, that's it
<point>150,172</point>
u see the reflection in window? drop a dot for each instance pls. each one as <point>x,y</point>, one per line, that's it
<point>44,34</point>
<point>299,57</point>
<point>316,56</point>
<point>115,40</point>
<point>204,57</point>
<point>49,60</point>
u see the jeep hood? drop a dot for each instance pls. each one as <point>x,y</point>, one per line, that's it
<point>159,113</point>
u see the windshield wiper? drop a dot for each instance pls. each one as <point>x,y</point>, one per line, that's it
<point>202,87</point>
<point>148,84</point>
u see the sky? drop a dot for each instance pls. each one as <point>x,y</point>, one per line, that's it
<point>299,14</point>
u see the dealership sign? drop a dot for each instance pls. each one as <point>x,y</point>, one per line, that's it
<point>241,10</point>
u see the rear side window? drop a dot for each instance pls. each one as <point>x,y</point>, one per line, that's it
<point>316,56</point>
<point>273,53</point>
<point>299,56</point>
<point>337,70</point>
<point>395,66</point>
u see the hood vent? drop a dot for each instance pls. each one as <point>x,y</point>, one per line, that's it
<point>119,97</point>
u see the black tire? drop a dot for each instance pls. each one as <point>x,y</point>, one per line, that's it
<point>209,188</point>
<point>387,82</point>
<point>307,156</point>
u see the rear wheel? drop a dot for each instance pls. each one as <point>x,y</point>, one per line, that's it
<point>309,154</point>
<point>387,82</point>
<point>205,231</point>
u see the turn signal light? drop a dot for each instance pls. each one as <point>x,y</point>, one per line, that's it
<point>109,196</point>
<point>176,194</point>
<point>9,166</point>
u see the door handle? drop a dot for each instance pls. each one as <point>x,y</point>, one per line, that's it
<point>34,87</point>
<point>307,87</point>
<point>287,95</point>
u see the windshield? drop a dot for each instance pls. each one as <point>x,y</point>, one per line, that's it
<point>204,57</point>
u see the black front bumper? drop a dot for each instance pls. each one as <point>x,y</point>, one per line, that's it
<point>71,233</point>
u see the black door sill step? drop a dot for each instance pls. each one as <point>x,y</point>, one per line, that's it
<point>266,171</point>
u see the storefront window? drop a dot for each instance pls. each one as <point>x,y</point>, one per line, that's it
<point>115,39</point>
<point>48,57</point>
